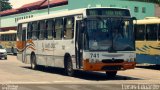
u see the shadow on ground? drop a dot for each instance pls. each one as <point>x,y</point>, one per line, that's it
<point>152,67</point>
<point>94,76</point>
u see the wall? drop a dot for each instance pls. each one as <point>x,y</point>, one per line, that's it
<point>157,10</point>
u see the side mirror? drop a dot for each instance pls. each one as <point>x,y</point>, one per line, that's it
<point>82,26</point>
<point>134,18</point>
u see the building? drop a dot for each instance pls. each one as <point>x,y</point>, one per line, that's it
<point>9,18</point>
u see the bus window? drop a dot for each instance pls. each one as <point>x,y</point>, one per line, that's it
<point>19,32</point>
<point>68,28</point>
<point>58,29</point>
<point>151,32</point>
<point>2,37</point>
<point>159,32</point>
<point>50,25</point>
<point>9,37</point>
<point>29,31</point>
<point>42,29</point>
<point>140,32</point>
<point>35,31</point>
<point>14,37</point>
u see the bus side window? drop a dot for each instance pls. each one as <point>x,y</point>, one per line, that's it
<point>140,32</point>
<point>68,28</point>
<point>50,29</point>
<point>159,32</point>
<point>43,28</point>
<point>35,31</point>
<point>58,28</point>
<point>19,33</point>
<point>151,32</point>
<point>29,31</point>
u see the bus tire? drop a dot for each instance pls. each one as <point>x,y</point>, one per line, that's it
<point>5,58</point>
<point>111,74</point>
<point>33,61</point>
<point>68,66</point>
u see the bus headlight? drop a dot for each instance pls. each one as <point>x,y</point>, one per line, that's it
<point>92,61</point>
<point>131,60</point>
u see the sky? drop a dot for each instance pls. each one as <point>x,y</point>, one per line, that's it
<point>19,3</point>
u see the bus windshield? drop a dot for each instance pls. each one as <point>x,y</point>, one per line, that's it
<point>109,34</point>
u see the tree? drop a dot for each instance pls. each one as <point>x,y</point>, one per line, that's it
<point>5,5</point>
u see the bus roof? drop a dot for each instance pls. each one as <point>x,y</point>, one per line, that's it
<point>63,13</point>
<point>8,32</point>
<point>149,21</point>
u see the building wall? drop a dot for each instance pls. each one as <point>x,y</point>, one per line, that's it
<point>150,9</point>
<point>10,20</point>
<point>157,10</point>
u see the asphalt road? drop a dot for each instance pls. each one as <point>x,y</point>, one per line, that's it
<point>18,76</point>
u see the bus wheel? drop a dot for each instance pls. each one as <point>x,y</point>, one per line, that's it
<point>68,66</point>
<point>33,61</point>
<point>111,74</point>
<point>5,58</point>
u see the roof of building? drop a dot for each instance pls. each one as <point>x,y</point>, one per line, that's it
<point>8,12</point>
<point>53,3</point>
<point>34,6</point>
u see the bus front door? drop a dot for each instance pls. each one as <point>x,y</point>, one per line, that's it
<point>24,29</point>
<point>79,44</point>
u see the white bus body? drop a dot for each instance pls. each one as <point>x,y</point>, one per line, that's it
<point>70,45</point>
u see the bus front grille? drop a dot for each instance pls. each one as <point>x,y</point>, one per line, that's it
<point>111,67</point>
<point>112,61</point>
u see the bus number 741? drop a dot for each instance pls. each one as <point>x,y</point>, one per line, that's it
<point>94,55</point>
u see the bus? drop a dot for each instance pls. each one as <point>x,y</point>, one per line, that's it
<point>81,39</point>
<point>148,40</point>
<point>8,41</point>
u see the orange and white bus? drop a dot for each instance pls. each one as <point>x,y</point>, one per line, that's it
<point>84,39</point>
<point>8,40</point>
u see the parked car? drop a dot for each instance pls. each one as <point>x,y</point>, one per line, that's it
<point>3,52</point>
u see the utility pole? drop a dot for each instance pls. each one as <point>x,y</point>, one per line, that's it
<point>0,14</point>
<point>48,6</point>
<point>0,17</point>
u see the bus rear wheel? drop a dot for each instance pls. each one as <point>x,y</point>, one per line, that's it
<point>111,74</point>
<point>68,66</point>
<point>33,62</point>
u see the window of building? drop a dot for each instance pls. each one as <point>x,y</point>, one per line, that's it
<point>140,32</point>
<point>68,28</point>
<point>50,29</point>
<point>43,30</point>
<point>58,28</point>
<point>136,9</point>
<point>151,32</point>
<point>143,9</point>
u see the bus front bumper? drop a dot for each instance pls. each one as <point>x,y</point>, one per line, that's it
<point>87,66</point>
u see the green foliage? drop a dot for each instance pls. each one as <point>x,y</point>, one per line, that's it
<point>5,5</point>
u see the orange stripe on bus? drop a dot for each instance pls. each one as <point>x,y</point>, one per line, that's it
<point>98,66</point>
